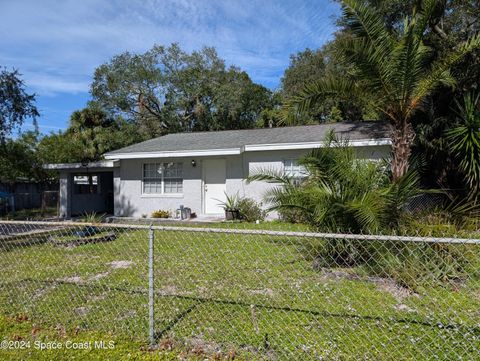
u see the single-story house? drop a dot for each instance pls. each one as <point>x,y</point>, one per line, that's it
<point>196,170</point>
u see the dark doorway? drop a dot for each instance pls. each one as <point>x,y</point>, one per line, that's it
<point>92,193</point>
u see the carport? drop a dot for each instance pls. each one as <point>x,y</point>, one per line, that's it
<point>86,187</point>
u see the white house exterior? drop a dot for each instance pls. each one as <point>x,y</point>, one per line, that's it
<point>196,170</point>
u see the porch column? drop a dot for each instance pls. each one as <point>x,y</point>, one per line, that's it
<point>65,193</point>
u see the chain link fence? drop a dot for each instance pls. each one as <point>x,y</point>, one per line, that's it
<point>248,294</point>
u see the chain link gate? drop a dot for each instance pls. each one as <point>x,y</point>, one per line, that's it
<point>249,294</point>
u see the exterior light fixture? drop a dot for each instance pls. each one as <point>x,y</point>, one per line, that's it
<point>194,163</point>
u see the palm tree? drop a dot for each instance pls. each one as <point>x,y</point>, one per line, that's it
<point>341,192</point>
<point>464,141</point>
<point>393,71</point>
<point>89,127</point>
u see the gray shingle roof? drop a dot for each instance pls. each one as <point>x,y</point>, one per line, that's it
<point>238,138</point>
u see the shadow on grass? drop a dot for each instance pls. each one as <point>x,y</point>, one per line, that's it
<point>197,301</point>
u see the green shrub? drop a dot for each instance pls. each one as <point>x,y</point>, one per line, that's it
<point>230,203</point>
<point>161,214</point>
<point>340,192</point>
<point>415,265</point>
<point>250,210</point>
<point>343,252</point>
<point>411,265</point>
<point>92,217</point>
<point>440,223</point>
<point>291,216</point>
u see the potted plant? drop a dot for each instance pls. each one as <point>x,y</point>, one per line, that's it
<point>230,205</point>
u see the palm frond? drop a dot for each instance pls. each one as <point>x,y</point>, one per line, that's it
<point>366,23</point>
<point>368,211</point>
<point>341,192</point>
<point>314,92</point>
<point>408,60</point>
<point>286,198</point>
<point>439,73</point>
<point>270,175</point>
<point>370,47</point>
<point>424,16</point>
<point>463,209</point>
<point>399,194</point>
<point>373,72</point>
<point>464,140</point>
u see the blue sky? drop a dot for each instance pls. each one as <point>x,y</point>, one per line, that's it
<point>56,45</point>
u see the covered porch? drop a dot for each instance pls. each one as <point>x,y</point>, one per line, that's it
<point>86,187</point>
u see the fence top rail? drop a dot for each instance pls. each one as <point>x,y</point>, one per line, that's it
<point>327,235</point>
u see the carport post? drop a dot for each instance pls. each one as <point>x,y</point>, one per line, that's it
<point>151,326</point>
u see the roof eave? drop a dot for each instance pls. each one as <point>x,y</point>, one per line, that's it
<point>174,154</point>
<point>246,148</point>
<point>310,145</point>
<point>79,166</point>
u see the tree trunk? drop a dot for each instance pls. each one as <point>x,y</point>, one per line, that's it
<point>402,139</point>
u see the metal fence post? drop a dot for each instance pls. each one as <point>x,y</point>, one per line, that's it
<point>151,326</point>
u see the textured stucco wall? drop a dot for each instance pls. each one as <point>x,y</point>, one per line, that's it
<point>129,200</point>
<point>255,161</point>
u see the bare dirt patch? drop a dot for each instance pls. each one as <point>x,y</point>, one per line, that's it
<point>81,311</point>
<point>40,292</point>
<point>168,290</point>
<point>198,346</point>
<point>120,264</point>
<point>393,288</point>
<point>95,298</point>
<point>73,279</point>
<point>328,274</point>
<point>403,307</point>
<point>262,291</point>
<point>127,315</point>
<point>172,290</point>
<point>210,350</point>
<point>99,276</point>
<point>387,285</point>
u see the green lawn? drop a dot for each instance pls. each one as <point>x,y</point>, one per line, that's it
<point>274,225</point>
<point>34,340</point>
<point>255,297</point>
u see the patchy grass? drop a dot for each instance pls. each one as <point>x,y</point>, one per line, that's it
<point>221,296</point>
<point>31,341</point>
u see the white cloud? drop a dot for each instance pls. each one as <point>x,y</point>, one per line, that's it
<point>48,85</point>
<point>57,45</point>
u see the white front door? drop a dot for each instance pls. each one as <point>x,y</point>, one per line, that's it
<point>214,176</point>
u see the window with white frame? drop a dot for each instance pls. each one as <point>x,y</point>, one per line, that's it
<point>293,169</point>
<point>85,184</point>
<point>162,178</point>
